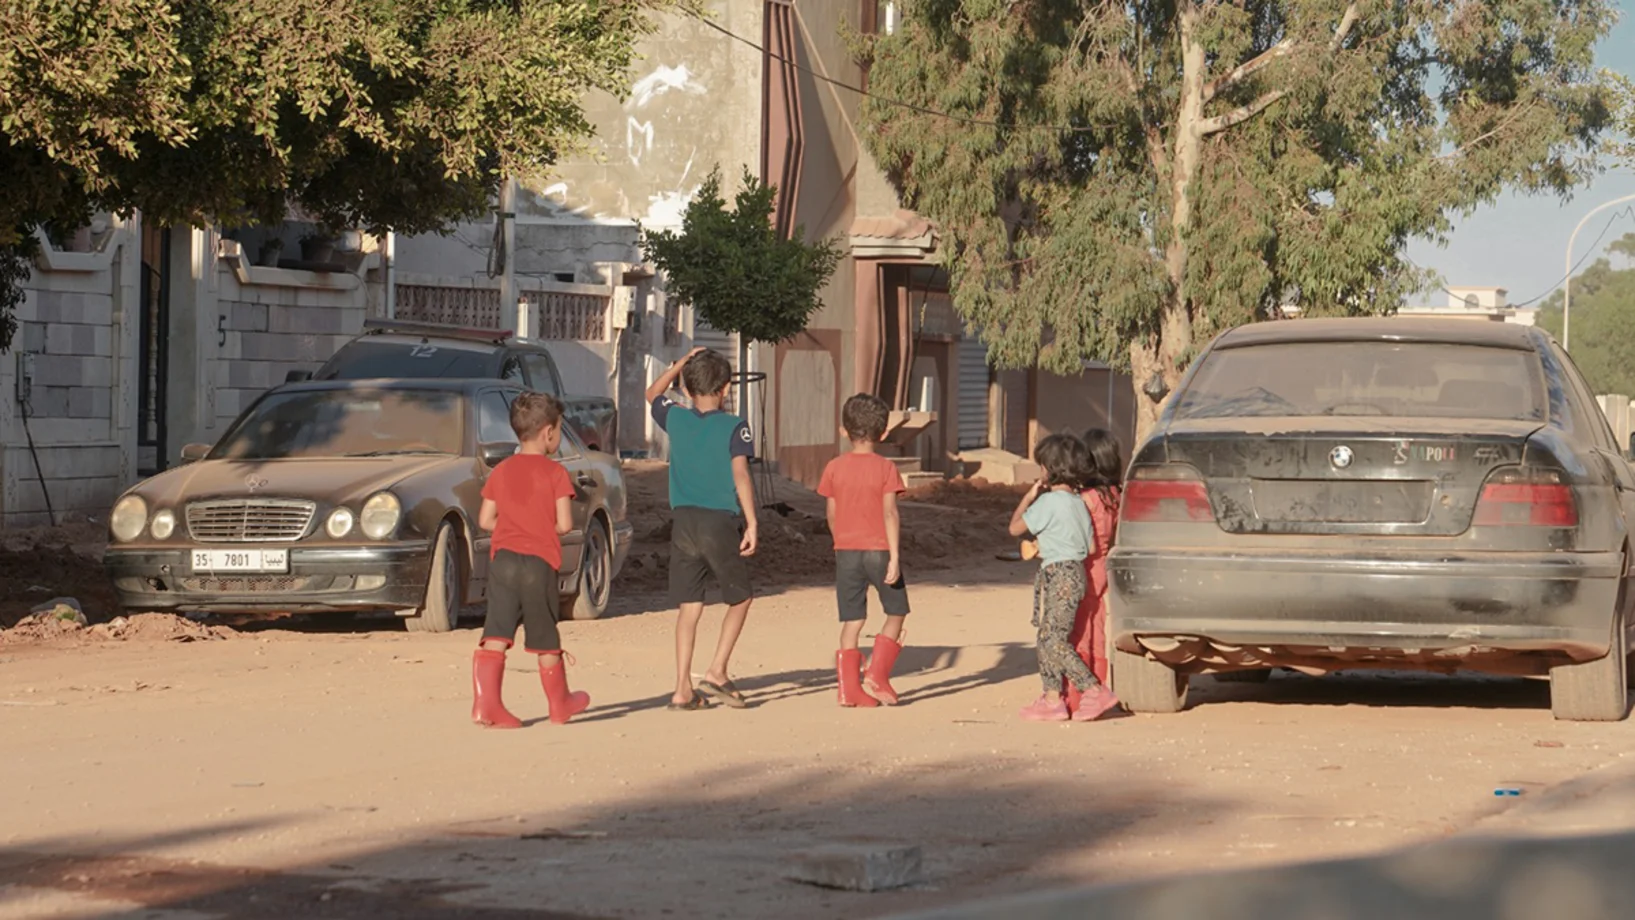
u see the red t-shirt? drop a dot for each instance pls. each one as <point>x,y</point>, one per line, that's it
<point>525,488</point>
<point>859,484</point>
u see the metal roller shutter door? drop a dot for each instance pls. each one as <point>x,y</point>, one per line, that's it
<point>973,393</point>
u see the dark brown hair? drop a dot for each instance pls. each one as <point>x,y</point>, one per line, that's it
<point>706,374</point>
<point>1106,464</point>
<point>1065,460</point>
<point>533,413</point>
<point>865,417</point>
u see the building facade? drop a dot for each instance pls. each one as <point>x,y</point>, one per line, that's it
<point>768,86</point>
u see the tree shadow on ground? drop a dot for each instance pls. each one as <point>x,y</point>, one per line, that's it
<point>713,843</point>
<point>722,842</point>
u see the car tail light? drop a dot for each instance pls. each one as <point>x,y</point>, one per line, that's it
<point>1172,493</point>
<point>1526,498</point>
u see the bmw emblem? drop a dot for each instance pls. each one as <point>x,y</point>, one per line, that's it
<point>1340,457</point>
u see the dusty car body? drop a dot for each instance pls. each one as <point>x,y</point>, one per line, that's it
<point>397,349</point>
<point>1403,493</point>
<point>349,496</point>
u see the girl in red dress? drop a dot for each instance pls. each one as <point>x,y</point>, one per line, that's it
<point>1089,636</point>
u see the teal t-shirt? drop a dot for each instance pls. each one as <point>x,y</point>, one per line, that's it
<point>702,445</point>
<point>1061,524</point>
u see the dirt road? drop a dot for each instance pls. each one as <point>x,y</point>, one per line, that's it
<point>332,772</point>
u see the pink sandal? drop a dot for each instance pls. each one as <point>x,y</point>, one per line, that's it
<point>1043,710</point>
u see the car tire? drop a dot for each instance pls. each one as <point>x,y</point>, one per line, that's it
<point>1252,676</point>
<point>1145,685</point>
<point>595,575</point>
<point>1594,691</point>
<point>445,586</point>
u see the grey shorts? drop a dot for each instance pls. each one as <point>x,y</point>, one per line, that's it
<point>704,547</point>
<point>858,570</point>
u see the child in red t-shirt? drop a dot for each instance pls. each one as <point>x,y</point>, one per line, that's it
<point>862,489</point>
<point>528,505</point>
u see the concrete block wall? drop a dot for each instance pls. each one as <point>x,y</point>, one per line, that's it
<point>73,334</point>
<point>272,330</point>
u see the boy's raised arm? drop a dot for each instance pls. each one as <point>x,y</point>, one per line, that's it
<point>668,379</point>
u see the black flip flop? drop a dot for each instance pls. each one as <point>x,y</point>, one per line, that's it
<point>698,702</point>
<point>724,692</point>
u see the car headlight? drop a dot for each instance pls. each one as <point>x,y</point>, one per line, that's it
<point>129,517</point>
<point>381,514</point>
<point>164,524</point>
<point>340,523</point>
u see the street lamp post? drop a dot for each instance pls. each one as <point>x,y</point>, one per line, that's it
<point>1567,283</point>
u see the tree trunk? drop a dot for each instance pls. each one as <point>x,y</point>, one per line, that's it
<point>1155,363</point>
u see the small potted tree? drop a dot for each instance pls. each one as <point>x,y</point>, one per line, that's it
<point>272,250</point>
<point>318,247</point>
<point>738,271</point>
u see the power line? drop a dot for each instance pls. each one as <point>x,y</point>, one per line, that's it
<point>913,107</point>
<point>1626,212</point>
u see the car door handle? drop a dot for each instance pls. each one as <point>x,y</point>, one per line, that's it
<point>587,480</point>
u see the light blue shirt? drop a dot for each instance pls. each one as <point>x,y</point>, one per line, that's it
<point>1061,524</point>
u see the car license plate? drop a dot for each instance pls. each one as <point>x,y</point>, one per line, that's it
<point>241,560</point>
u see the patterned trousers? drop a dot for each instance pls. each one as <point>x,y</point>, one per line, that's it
<point>1056,594</point>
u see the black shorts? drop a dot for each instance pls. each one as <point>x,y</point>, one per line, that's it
<point>523,589</point>
<point>855,571</point>
<point>703,545</point>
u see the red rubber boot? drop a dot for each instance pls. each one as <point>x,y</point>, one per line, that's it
<point>877,682</point>
<point>487,674</point>
<point>849,666</point>
<point>554,678</point>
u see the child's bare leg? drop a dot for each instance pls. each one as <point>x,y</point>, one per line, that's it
<point>686,637</point>
<point>732,625</point>
<point>850,632</point>
<point>496,645</point>
<point>894,629</point>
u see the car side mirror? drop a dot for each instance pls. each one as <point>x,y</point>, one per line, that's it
<point>193,453</point>
<point>497,451</point>
<point>297,376</point>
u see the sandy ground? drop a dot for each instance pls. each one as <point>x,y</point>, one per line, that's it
<point>327,767</point>
<point>334,769</point>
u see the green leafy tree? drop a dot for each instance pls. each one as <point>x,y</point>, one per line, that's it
<point>736,270</point>
<point>380,114</point>
<point>1603,320</point>
<point>1125,180</point>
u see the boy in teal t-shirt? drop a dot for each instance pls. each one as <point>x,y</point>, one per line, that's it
<point>710,488</point>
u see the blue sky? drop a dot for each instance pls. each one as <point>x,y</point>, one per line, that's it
<point>1518,243</point>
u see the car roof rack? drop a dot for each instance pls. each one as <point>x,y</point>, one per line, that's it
<point>386,326</point>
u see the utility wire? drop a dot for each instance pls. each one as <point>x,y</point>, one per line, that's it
<point>1625,212</point>
<point>913,107</point>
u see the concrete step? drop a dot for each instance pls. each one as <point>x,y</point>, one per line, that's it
<point>917,479</point>
<point>907,465</point>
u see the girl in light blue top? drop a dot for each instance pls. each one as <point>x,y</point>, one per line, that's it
<point>1055,515</point>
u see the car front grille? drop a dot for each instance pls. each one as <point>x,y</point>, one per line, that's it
<point>256,520</point>
<point>247,584</point>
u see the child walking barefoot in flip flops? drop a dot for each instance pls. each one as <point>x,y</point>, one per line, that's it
<point>1054,514</point>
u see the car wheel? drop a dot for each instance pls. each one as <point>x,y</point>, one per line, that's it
<point>1594,691</point>
<point>445,586</point>
<point>595,574</point>
<point>1145,685</point>
<point>1253,676</point>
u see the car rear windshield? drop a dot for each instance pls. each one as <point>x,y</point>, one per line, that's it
<point>377,360</point>
<point>1400,379</point>
<point>346,423</point>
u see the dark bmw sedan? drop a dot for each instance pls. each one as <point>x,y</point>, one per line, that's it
<point>1377,493</point>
